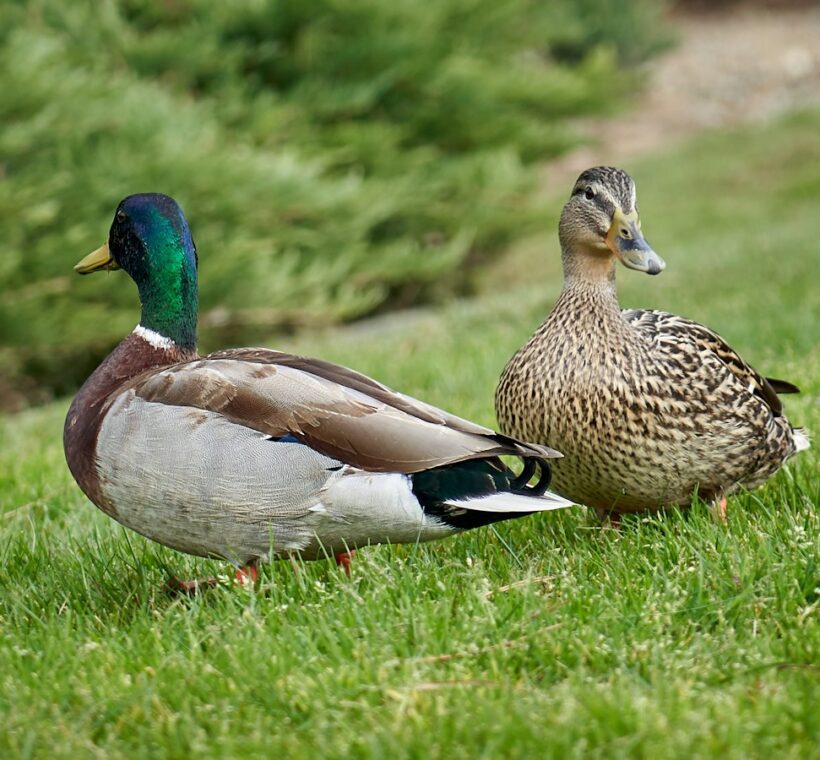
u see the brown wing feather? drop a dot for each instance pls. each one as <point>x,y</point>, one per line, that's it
<point>660,324</point>
<point>349,378</point>
<point>338,412</point>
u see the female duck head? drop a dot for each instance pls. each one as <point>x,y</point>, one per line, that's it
<point>150,239</point>
<point>600,222</point>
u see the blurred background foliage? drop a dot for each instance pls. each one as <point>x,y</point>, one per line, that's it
<point>336,158</point>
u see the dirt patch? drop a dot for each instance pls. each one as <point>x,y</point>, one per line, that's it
<point>739,66</point>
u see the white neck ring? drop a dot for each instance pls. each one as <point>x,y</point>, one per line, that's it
<point>153,338</point>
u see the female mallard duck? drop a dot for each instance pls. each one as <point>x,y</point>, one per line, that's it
<point>646,407</point>
<point>251,454</point>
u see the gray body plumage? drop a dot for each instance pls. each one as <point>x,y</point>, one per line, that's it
<point>194,481</point>
<point>253,454</point>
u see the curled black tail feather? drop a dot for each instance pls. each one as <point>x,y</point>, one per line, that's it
<point>521,483</point>
<point>524,476</point>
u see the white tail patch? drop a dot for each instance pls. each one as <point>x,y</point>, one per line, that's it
<point>513,502</point>
<point>802,440</point>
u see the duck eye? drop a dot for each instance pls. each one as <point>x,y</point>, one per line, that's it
<point>589,193</point>
<point>121,216</point>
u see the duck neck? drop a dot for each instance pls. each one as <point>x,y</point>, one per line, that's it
<point>591,275</point>
<point>169,307</point>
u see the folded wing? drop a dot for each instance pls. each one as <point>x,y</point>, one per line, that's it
<point>338,412</point>
<point>661,326</point>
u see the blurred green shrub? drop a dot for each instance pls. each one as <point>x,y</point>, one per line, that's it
<point>335,157</point>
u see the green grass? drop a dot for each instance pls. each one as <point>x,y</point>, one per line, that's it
<point>548,637</point>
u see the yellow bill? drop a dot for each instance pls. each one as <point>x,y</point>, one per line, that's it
<point>95,261</point>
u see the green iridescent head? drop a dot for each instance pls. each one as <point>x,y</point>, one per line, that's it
<point>150,239</point>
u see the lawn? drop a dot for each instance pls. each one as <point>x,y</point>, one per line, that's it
<point>547,637</point>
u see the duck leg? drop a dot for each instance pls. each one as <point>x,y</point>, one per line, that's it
<point>247,575</point>
<point>178,587</point>
<point>718,510</point>
<point>343,560</point>
<point>609,518</point>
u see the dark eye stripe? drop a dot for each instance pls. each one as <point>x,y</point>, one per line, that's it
<point>601,199</point>
<point>605,205</point>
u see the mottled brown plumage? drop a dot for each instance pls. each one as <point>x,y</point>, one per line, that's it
<point>647,407</point>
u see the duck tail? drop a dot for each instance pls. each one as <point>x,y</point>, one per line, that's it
<point>477,492</point>
<point>801,438</point>
<point>516,504</point>
<point>782,386</point>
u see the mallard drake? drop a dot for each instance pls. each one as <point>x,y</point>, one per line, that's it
<point>647,407</point>
<point>250,454</point>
